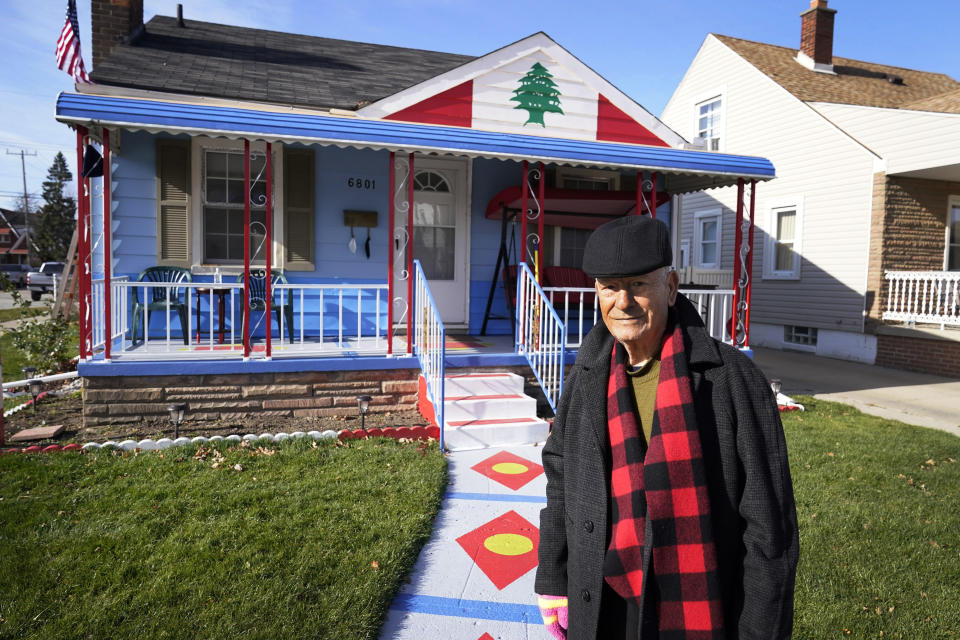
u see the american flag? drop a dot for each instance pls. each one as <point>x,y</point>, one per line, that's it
<point>68,46</point>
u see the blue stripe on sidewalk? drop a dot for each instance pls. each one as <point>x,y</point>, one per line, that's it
<point>477,609</point>
<point>500,497</point>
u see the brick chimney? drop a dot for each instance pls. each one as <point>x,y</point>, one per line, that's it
<point>816,37</point>
<point>114,21</point>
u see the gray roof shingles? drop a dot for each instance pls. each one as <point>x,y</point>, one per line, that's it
<point>224,61</point>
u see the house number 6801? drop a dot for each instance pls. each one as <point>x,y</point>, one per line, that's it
<point>361,183</point>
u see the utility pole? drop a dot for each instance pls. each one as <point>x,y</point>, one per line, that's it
<point>26,201</point>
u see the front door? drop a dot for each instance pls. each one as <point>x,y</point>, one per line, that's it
<point>440,234</point>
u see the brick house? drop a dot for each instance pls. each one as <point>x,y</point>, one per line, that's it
<point>858,255</point>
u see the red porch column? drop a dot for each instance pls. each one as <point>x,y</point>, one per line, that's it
<point>542,215</point>
<point>653,195</point>
<point>639,207</point>
<point>81,232</point>
<point>523,217</point>
<point>390,222</point>
<point>410,274</point>
<point>746,324</point>
<point>246,249</point>
<point>107,324</point>
<point>268,282</point>
<point>737,271</point>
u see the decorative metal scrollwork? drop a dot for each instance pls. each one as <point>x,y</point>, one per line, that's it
<point>401,235</point>
<point>261,199</point>
<point>257,228</point>
<point>533,212</point>
<point>743,254</point>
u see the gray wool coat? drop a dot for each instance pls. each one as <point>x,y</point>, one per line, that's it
<point>751,495</point>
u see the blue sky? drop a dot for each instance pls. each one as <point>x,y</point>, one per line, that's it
<point>642,47</point>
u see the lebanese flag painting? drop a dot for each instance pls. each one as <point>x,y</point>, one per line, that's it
<point>534,94</point>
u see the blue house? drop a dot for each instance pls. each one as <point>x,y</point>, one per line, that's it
<point>286,206</point>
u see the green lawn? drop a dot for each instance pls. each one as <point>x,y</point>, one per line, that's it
<point>307,540</point>
<point>16,313</point>
<point>879,509</point>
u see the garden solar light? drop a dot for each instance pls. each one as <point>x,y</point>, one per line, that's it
<point>176,417</point>
<point>775,385</point>
<point>363,402</point>
<point>35,386</point>
<point>28,372</point>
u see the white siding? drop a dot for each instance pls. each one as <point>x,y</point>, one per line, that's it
<point>907,140</point>
<point>815,161</point>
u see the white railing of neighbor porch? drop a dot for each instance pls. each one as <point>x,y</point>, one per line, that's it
<point>923,296</point>
<point>579,312</point>
<point>541,335</point>
<point>429,344</point>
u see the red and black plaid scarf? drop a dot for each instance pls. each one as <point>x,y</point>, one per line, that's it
<point>667,485</point>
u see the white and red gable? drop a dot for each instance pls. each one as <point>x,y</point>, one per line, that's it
<point>531,87</point>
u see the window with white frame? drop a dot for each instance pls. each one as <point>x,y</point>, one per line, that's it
<point>709,114</point>
<point>953,234</point>
<point>223,206</point>
<point>587,179</point>
<point>707,238</point>
<point>805,336</point>
<point>563,246</point>
<point>783,259</point>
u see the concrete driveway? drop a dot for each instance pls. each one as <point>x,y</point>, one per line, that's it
<point>914,398</point>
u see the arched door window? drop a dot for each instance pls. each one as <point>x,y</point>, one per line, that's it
<point>434,225</point>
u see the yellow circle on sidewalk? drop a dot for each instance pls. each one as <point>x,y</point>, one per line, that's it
<point>510,468</point>
<point>508,544</point>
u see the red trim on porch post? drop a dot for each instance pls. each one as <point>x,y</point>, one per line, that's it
<point>81,222</point>
<point>653,195</point>
<point>268,282</point>
<point>736,262</point>
<point>410,259</point>
<point>107,325</point>
<point>543,214</point>
<point>746,323</point>
<point>390,223</point>
<point>246,249</point>
<point>523,216</point>
<point>639,209</point>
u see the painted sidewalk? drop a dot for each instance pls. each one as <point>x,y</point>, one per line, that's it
<point>474,578</point>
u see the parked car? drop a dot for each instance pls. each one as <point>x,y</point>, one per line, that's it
<point>40,282</point>
<point>15,273</point>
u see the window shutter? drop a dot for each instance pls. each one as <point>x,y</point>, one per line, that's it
<point>173,202</point>
<point>298,200</point>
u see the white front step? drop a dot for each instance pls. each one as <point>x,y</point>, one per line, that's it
<point>480,434</point>
<point>483,384</point>
<point>489,410</point>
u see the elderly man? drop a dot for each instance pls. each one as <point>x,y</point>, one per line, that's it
<point>670,509</point>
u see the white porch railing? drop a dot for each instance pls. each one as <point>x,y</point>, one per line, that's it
<point>430,344</point>
<point>578,310</point>
<point>541,335</point>
<point>923,296</point>
<point>119,302</point>
<point>328,320</point>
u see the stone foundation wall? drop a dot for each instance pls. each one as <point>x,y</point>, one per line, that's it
<point>119,399</point>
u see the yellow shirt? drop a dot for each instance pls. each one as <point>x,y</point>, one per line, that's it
<point>644,379</point>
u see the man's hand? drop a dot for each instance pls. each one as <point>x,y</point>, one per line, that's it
<point>554,612</point>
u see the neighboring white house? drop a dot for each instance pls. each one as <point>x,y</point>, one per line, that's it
<point>868,165</point>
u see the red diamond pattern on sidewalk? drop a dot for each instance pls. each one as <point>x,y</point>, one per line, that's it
<point>485,636</point>
<point>504,548</point>
<point>508,469</point>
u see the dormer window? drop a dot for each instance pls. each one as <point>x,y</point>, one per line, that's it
<point>708,122</point>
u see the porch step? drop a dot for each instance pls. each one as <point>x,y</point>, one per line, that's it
<point>489,410</point>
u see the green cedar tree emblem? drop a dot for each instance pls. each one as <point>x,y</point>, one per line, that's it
<point>537,94</point>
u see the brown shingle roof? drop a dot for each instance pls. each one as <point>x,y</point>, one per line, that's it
<point>855,82</point>
<point>945,102</point>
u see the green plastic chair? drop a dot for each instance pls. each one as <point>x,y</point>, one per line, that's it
<point>157,297</point>
<point>258,297</point>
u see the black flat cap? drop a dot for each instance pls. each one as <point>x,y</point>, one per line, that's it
<point>628,246</point>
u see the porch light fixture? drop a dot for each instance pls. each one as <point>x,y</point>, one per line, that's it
<point>775,384</point>
<point>176,417</point>
<point>363,403</point>
<point>35,387</point>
